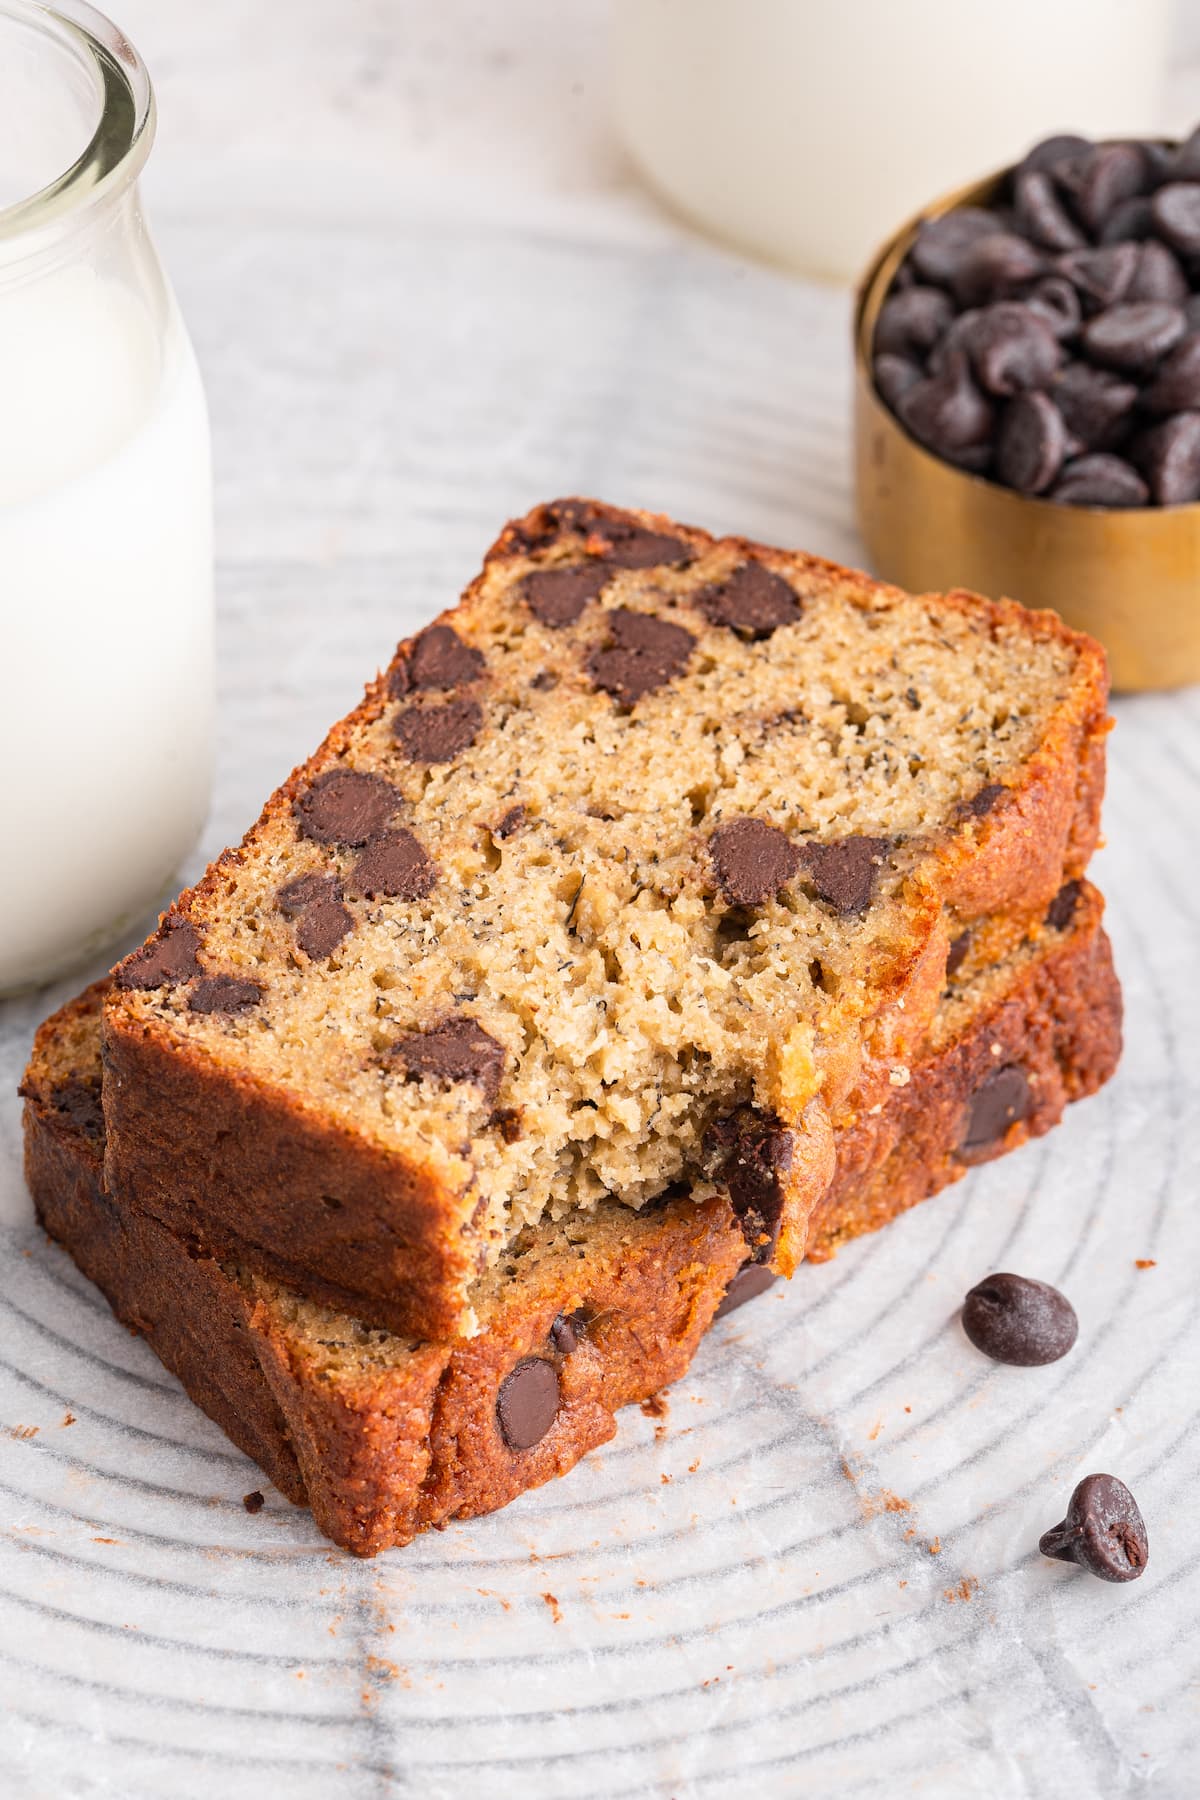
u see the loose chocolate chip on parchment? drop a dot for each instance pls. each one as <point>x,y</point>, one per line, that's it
<point>527,1404</point>
<point>1103,1532</point>
<point>1062,908</point>
<point>753,601</point>
<point>395,865</point>
<point>556,597</point>
<point>345,806</point>
<point>957,954</point>
<point>455,1050</point>
<point>754,1151</point>
<point>224,994</point>
<point>294,897</point>
<point>1002,1099</point>
<point>1100,480</point>
<point>1030,444</point>
<point>437,734</point>
<point>1016,1320</point>
<point>436,658</point>
<point>910,323</point>
<point>167,959</point>
<point>322,927</point>
<point>843,873</point>
<point>511,823</point>
<point>1132,337</point>
<point>643,653</point>
<point>1168,456</point>
<point>752,860</point>
<point>751,1280</point>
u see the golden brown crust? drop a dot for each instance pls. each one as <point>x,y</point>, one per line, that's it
<point>251,1168</point>
<point>396,1449</point>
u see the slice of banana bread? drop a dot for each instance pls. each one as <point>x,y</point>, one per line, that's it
<point>383,1436</point>
<point>652,829</point>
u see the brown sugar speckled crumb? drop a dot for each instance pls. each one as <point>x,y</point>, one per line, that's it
<point>384,1436</point>
<point>653,831</point>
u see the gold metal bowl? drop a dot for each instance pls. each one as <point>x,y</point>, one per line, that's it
<point>1131,578</point>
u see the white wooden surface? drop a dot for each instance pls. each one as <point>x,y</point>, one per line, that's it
<point>425,292</point>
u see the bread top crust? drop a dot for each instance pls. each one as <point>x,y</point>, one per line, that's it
<point>651,827</point>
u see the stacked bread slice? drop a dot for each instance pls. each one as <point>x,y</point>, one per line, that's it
<point>670,910</point>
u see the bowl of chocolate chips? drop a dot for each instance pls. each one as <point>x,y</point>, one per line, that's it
<point>1027,410</point>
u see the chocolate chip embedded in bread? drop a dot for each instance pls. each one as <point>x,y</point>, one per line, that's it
<point>983,800</point>
<point>957,954</point>
<point>557,597</point>
<point>322,927</point>
<point>1002,1099</point>
<point>169,958</point>
<point>224,994</point>
<point>1062,908</point>
<point>437,734</point>
<point>80,1104</point>
<point>436,658</point>
<point>527,1404</point>
<point>843,873</point>
<point>632,546</point>
<point>753,601</point>
<point>294,897</point>
<point>395,865</point>
<point>346,807</point>
<point>752,860</point>
<point>512,822</point>
<point>455,1050</point>
<point>643,653</point>
<point>617,537</point>
<point>566,1332</point>
<point>750,1281</point>
<point>756,1153</point>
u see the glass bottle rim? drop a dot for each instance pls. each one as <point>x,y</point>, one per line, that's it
<point>114,156</point>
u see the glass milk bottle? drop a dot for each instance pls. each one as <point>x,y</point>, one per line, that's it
<point>106,651</point>
<point>807,132</point>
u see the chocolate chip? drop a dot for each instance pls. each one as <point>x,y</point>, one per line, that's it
<point>1129,220</point>
<point>1002,1099</point>
<point>1061,910</point>
<point>1100,481</point>
<point>1096,406</point>
<point>996,267</point>
<point>947,412</point>
<point>1042,215</point>
<point>455,1050</point>
<point>1176,213</point>
<point>957,954</point>
<point>168,958</point>
<point>1031,444</point>
<point>910,323</point>
<point>983,800</point>
<point>1168,455</point>
<point>557,597</point>
<point>632,546</point>
<point>436,658</point>
<point>80,1104</point>
<point>843,873</point>
<point>752,859</point>
<point>437,734</point>
<point>507,1120</point>
<point>1099,178</point>
<point>755,1152</point>
<point>1015,1320</point>
<point>345,806</point>
<point>253,1501</point>
<point>753,601</point>
<point>750,1281</point>
<point>512,822</point>
<point>1055,300</point>
<point>527,1404</point>
<point>642,653</point>
<point>1183,162</point>
<point>1101,277</point>
<point>322,927</point>
<point>941,244</point>
<point>894,375</point>
<point>1050,152</point>
<point>1103,1531</point>
<point>1158,276</point>
<point>566,1332</point>
<point>1011,347</point>
<point>1133,337</point>
<point>224,994</point>
<point>395,865</point>
<point>1176,386</point>
<point>307,890</point>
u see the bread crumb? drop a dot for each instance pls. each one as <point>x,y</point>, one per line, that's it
<point>555,1608</point>
<point>254,1501</point>
<point>1144,1262</point>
